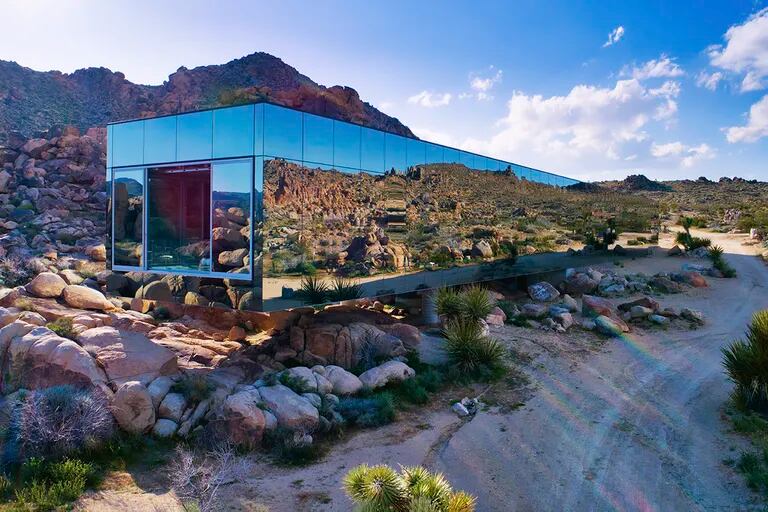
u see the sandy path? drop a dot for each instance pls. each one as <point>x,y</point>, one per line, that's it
<point>635,427</point>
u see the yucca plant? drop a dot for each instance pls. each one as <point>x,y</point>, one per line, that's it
<point>343,288</point>
<point>448,302</point>
<point>313,290</point>
<point>382,489</point>
<point>716,253</point>
<point>746,364</point>
<point>476,303</point>
<point>469,350</point>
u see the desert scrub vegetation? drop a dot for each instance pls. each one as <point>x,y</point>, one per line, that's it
<point>746,364</point>
<point>687,240</point>
<point>473,303</point>
<point>63,327</point>
<point>58,443</point>
<point>412,489</point>
<point>314,290</point>
<point>718,261</point>
<point>471,353</point>
<point>194,386</point>
<point>752,463</point>
<point>13,272</point>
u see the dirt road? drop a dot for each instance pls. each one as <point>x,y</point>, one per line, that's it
<point>635,427</point>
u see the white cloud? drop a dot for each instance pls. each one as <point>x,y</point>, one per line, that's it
<point>756,127</point>
<point>585,129</point>
<point>745,51</point>
<point>483,84</point>
<point>663,67</point>
<point>435,136</point>
<point>709,80</point>
<point>685,156</point>
<point>614,37</point>
<point>430,99</point>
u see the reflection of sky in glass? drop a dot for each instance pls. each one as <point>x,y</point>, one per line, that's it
<point>229,177</point>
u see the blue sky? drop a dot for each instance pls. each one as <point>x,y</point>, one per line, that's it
<point>588,89</point>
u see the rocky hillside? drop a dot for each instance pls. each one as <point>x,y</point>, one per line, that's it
<point>637,183</point>
<point>33,101</point>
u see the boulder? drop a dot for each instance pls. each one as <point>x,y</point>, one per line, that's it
<point>304,378</point>
<point>132,408</point>
<point>564,319</point>
<point>158,388</point>
<point>38,358</point>
<point>128,355</point>
<point>543,292</point>
<point>172,406</point>
<point>324,386</point>
<point>164,428</point>
<point>534,310</point>
<point>646,302</point>
<point>579,283</point>
<point>665,285</point>
<point>82,297</point>
<point>33,318</point>
<point>344,382</point>
<point>243,420</point>
<point>236,333</point>
<point>592,306</point>
<point>482,249</point>
<point>675,251</point>
<point>46,285</point>
<point>408,334</point>
<point>292,411</point>
<point>156,290</point>
<point>659,319</point>
<point>692,315</point>
<point>96,252</point>
<point>570,303</point>
<point>608,326</point>
<point>389,372</point>
<point>640,312</point>
<point>694,279</point>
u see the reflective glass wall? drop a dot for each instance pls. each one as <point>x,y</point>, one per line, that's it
<point>240,205</point>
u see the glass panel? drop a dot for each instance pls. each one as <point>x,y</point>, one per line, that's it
<point>372,142</point>
<point>233,131</point>
<point>128,216</point>
<point>395,153</point>
<point>434,154</point>
<point>467,159</point>
<point>451,156</point>
<point>255,302</point>
<point>231,201</point>
<point>195,136</point>
<point>258,130</point>
<point>346,145</point>
<point>109,145</point>
<point>318,139</point>
<point>179,218</point>
<point>282,132</point>
<point>415,152</point>
<point>128,144</point>
<point>160,140</point>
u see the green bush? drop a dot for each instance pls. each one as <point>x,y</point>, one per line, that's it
<point>448,302</point>
<point>373,411</point>
<point>313,290</point>
<point>718,261</point>
<point>344,289</point>
<point>470,352</point>
<point>476,303</point>
<point>746,364</point>
<point>48,485</point>
<point>195,387</point>
<point>414,489</point>
<point>63,327</point>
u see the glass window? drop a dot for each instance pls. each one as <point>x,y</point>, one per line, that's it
<point>434,154</point>
<point>109,145</point>
<point>128,217</point>
<point>128,144</point>
<point>195,136</point>
<point>372,150</point>
<point>179,218</point>
<point>346,141</point>
<point>282,132</point>
<point>160,140</point>
<point>233,131</point>
<point>415,152</point>
<point>231,202</point>
<point>318,139</point>
<point>395,153</point>
<point>467,159</point>
<point>258,129</point>
<point>451,156</point>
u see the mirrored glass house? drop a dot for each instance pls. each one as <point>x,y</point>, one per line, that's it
<point>241,206</point>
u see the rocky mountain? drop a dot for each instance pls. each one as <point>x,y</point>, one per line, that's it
<point>33,101</point>
<point>637,183</point>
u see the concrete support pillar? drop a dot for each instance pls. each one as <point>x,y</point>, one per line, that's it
<point>429,314</point>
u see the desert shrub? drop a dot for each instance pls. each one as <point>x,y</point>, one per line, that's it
<point>161,313</point>
<point>754,467</point>
<point>195,387</point>
<point>343,288</point>
<point>24,304</point>
<point>746,364</point>
<point>63,327</point>
<point>197,478</point>
<point>448,302</point>
<point>49,485</point>
<point>13,272</point>
<point>476,303</point>
<point>471,352</point>
<point>687,240</point>
<point>56,422</point>
<point>718,261</point>
<point>313,290</point>
<point>304,268</point>
<point>292,448</point>
<point>380,489</point>
<point>509,308</point>
<point>373,411</point>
